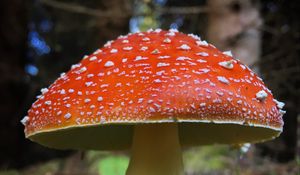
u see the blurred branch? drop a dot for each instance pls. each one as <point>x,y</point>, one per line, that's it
<point>184,10</point>
<point>269,29</point>
<point>76,8</point>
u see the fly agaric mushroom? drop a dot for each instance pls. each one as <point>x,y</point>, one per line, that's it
<point>154,92</point>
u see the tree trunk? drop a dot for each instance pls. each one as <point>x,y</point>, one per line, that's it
<point>233,25</point>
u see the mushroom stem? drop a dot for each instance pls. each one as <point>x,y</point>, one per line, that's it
<point>156,150</point>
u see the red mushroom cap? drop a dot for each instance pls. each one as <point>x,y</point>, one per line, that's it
<point>153,77</point>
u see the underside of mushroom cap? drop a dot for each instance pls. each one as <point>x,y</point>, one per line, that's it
<point>150,78</point>
<point>119,136</point>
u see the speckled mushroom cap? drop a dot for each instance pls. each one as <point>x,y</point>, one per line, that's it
<point>154,77</point>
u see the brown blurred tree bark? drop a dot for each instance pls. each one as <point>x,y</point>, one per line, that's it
<point>233,25</point>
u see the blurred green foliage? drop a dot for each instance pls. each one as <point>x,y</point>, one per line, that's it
<point>10,172</point>
<point>107,163</point>
<point>206,159</point>
<point>113,165</point>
